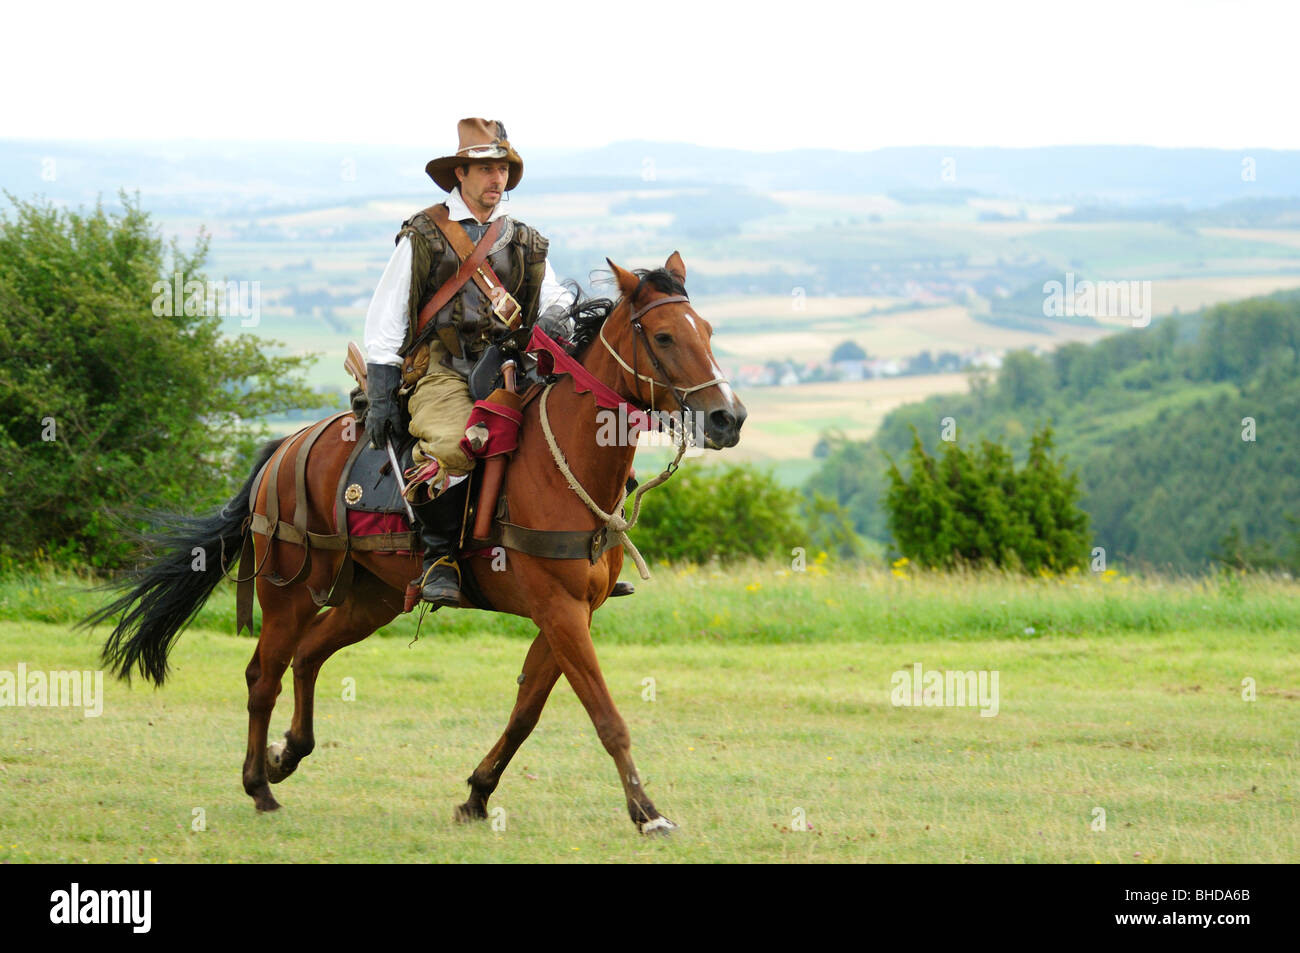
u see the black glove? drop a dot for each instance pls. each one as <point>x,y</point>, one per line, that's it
<point>384,418</point>
<point>557,324</point>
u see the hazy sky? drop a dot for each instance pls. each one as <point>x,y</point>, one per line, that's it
<point>566,73</point>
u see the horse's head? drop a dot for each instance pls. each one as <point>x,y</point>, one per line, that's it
<point>661,347</point>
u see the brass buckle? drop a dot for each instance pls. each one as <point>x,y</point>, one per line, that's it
<point>507,309</point>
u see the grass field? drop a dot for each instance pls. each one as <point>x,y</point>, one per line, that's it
<point>772,703</point>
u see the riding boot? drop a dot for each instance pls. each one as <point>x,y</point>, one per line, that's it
<point>439,528</point>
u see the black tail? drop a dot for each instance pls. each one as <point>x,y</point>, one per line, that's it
<point>163,598</point>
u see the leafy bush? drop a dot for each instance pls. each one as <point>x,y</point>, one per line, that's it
<point>976,509</point>
<point>105,405</point>
<point>734,512</point>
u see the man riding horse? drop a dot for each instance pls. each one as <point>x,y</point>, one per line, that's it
<point>512,289</point>
<point>566,482</point>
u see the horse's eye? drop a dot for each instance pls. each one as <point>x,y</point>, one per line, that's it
<point>663,340</point>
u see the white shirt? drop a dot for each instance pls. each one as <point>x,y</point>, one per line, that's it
<point>387,319</point>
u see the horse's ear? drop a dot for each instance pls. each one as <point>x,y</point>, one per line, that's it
<point>627,281</point>
<point>676,267</point>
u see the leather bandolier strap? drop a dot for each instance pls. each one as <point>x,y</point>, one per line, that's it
<point>466,250</point>
<point>473,261</point>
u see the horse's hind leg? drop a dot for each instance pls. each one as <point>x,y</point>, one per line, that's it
<point>369,605</point>
<point>538,678</point>
<point>285,612</point>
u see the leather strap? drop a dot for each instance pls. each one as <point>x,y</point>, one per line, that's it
<point>383,542</point>
<point>273,475</point>
<point>502,302</point>
<point>470,263</point>
<point>548,543</point>
<point>465,248</point>
<point>558,544</point>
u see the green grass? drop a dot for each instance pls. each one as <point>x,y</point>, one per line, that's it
<point>750,604</point>
<point>772,693</point>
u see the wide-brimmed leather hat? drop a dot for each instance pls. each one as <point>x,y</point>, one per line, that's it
<point>481,140</point>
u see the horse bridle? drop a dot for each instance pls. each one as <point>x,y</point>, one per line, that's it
<point>679,394</point>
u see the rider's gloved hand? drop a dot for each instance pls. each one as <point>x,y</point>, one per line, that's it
<point>557,324</point>
<point>384,418</point>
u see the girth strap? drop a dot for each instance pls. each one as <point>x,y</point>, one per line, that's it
<point>558,544</point>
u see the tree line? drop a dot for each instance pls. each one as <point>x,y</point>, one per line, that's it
<point>1183,435</point>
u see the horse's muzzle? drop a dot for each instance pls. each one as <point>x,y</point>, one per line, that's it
<point>722,426</point>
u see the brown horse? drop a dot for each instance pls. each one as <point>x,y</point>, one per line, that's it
<point>652,327</point>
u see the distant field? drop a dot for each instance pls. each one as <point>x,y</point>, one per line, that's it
<point>786,422</point>
<point>739,313</point>
<point>813,334</point>
<point>1192,294</point>
<point>1277,236</point>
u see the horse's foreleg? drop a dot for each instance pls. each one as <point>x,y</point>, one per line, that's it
<point>369,605</point>
<point>538,677</point>
<point>568,631</point>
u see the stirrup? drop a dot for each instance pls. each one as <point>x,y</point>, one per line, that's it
<point>447,594</point>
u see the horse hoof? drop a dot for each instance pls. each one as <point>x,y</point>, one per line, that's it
<point>264,801</point>
<point>275,772</point>
<point>467,814</point>
<point>659,827</point>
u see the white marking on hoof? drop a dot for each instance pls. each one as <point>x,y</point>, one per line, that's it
<point>658,824</point>
<point>275,752</point>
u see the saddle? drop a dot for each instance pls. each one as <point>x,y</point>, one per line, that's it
<point>370,486</point>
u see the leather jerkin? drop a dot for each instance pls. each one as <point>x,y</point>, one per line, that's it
<point>470,264</point>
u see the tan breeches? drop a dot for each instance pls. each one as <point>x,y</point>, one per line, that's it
<point>440,407</point>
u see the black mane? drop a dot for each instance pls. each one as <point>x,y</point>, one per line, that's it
<point>589,314</point>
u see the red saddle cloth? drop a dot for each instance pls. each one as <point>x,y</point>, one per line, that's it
<point>374,524</point>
